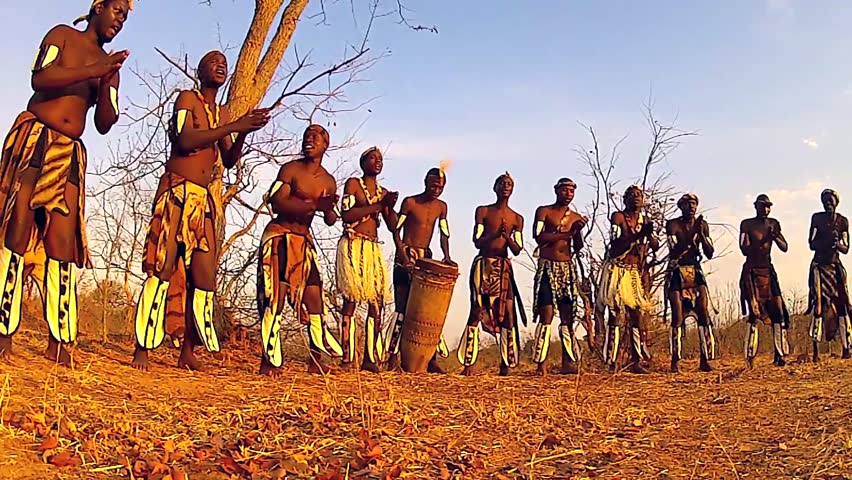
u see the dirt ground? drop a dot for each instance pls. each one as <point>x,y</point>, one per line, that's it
<point>104,419</point>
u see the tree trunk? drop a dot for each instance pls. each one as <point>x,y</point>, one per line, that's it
<point>252,75</point>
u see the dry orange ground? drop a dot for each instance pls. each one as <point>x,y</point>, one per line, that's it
<point>105,420</point>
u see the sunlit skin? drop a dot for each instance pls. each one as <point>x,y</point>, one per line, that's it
<point>194,152</point>
<point>78,79</point>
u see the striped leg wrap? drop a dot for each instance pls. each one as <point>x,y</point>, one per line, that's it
<point>542,342</point>
<point>395,333</point>
<point>815,329</point>
<point>202,310</point>
<point>443,350</point>
<point>676,343</point>
<point>348,336</point>
<point>508,340</point>
<point>611,344</point>
<point>151,313</point>
<point>569,343</point>
<point>374,348</point>
<point>845,331</point>
<point>707,342</point>
<point>11,269</point>
<point>270,335</point>
<point>60,299</point>
<point>751,342</point>
<point>779,336</point>
<point>320,338</point>
<point>469,348</point>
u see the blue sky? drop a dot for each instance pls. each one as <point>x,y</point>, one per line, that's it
<point>766,83</point>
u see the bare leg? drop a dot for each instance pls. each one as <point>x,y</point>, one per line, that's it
<point>543,336</point>
<point>675,301</point>
<point>632,317</point>
<point>372,339</point>
<point>312,299</point>
<point>566,335</point>
<point>60,244</point>
<point>200,277</point>
<point>6,348</point>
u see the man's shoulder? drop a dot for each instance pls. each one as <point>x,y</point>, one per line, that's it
<point>63,31</point>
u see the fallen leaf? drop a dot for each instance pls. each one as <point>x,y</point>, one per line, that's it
<point>231,467</point>
<point>178,474</point>
<point>550,441</point>
<point>169,446</point>
<point>49,443</point>
<point>375,452</point>
<point>64,459</point>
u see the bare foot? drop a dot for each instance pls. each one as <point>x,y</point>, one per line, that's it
<point>140,359</point>
<point>568,368</point>
<point>348,366</point>
<point>189,361</point>
<point>315,364</point>
<point>57,353</point>
<point>267,368</point>
<point>504,370</point>
<point>394,364</point>
<point>467,372</point>
<point>541,371</point>
<point>433,367</point>
<point>846,354</point>
<point>637,368</point>
<point>370,367</point>
<point>6,349</point>
<point>674,368</point>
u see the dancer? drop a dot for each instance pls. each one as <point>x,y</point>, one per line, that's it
<point>829,297</point>
<point>558,231</point>
<point>361,270</point>
<point>43,172</point>
<point>288,269</point>
<point>494,297</point>
<point>760,292</point>
<point>412,236</point>
<point>621,289</point>
<point>686,285</point>
<point>182,229</point>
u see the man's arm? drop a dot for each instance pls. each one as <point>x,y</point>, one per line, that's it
<point>745,241</point>
<point>281,199</point>
<point>404,210</point>
<point>621,238</point>
<point>233,144</point>
<point>706,241</point>
<point>843,236</point>
<point>189,137</point>
<point>480,238</point>
<point>779,238</point>
<point>515,240</point>
<point>49,75</point>
<point>106,109</point>
<point>444,226</point>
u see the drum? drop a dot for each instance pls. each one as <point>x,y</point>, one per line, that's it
<point>432,284</point>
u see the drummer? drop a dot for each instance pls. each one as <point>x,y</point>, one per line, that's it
<point>494,297</point>
<point>412,236</point>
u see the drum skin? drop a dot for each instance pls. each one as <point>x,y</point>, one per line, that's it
<point>429,298</point>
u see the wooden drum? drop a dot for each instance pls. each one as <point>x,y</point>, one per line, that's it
<point>429,298</point>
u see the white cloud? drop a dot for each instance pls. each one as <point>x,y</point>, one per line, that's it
<point>811,143</point>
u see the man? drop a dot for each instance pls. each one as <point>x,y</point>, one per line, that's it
<point>494,297</point>
<point>182,226</point>
<point>43,170</point>
<point>686,285</point>
<point>760,292</point>
<point>829,296</point>
<point>621,289</point>
<point>412,236</point>
<point>361,270</point>
<point>558,231</point>
<point>288,268</point>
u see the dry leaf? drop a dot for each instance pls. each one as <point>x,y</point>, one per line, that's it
<point>550,441</point>
<point>64,459</point>
<point>49,443</point>
<point>169,446</point>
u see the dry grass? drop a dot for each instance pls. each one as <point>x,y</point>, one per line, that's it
<point>105,420</point>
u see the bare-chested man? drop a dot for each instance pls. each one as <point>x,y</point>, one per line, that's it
<point>412,236</point>
<point>494,297</point>
<point>288,268</point>
<point>686,285</point>
<point>182,225</point>
<point>760,291</point>
<point>558,231</point>
<point>829,294</point>
<point>43,170</point>
<point>622,290</point>
<point>360,263</point>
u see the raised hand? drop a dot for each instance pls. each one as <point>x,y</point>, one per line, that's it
<point>252,121</point>
<point>107,66</point>
<point>389,199</point>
